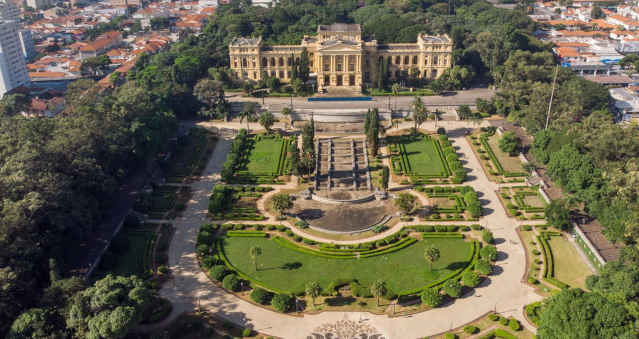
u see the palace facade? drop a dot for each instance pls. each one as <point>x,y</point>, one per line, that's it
<point>339,58</point>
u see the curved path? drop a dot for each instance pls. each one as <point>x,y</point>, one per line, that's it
<point>190,287</point>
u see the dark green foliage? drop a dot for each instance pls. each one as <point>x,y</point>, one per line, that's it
<point>282,302</point>
<point>261,296</point>
<point>514,324</point>
<point>218,272</point>
<point>509,143</point>
<point>470,329</point>
<point>574,313</point>
<point>558,215</point>
<point>453,288</point>
<point>489,253</point>
<point>487,236</point>
<point>484,267</point>
<point>432,297</point>
<point>231,282</point>
<point>470,279</point>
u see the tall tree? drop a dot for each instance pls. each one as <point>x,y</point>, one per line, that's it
<point>378,289</point>
<point>267,120</point>
<point>255,252</point>
<point>211,94</point>
<point>248,113</point>
<point>313,290</point>
<point>431,254</point>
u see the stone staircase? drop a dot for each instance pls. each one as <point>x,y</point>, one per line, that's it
<point>342,165</point>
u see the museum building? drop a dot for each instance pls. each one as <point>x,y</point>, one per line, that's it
<point>340,59</point>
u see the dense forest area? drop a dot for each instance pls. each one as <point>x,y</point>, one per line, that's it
<point>57,175</point>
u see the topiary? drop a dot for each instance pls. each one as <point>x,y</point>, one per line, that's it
<point>503,321</point>
<point>261,296</point>
<point>470,279</point>
<point>218,272</point>
<point>282,302</point>
<point>488,253</point>
<point>453,288</point>
<point>247,332</point>
<point>493,317</point>
<point>231,282</point>
<point>484,267</point>
<point>487,236</point>
<point>450,336</point>
<point>470,329</point>
<point>432,297</point>
<point>514,324</point>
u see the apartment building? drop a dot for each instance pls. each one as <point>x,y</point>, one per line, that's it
<point>13,70</point>
<point>9,11</point>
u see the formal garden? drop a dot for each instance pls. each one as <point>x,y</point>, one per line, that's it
<point>490,326</point>
<point>265,263</point>
<point>451,203</point>
<point>162,202</point>
<point>523,202</point>
<point>499,159</point>
<point>236,202</point>
<point>424,159</point>
<point>258,159</point>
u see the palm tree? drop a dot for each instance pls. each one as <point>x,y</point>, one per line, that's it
<point>436,114</point>
<point>313,290</point>
<point>395,89</point>
<point>431,254</point>
<point>419,112</point>
<point>378,288</point>
<point>247,113</point>
<point>255,252</point>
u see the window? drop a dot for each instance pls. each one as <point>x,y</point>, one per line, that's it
<point>255,75</point>
<point>351,80</point>
<point>253,62</point>
<point>288,61</point>
<point>235,62</point>
<point>339,80</point>
<point>414,59</point>
<point>272,73</point>
<point>272,62</point>
<point>327,67</point>
<point>351,67</point>
<point>339,67</point>
<point>281,62</point>
<point>435,59</point>
<point>281,75</point>
<point>327,80</point>
<point>434,73</point>
<point>397,60</point>
<point>406,60</point>
<point>244,63</point>
<point>264,63</point>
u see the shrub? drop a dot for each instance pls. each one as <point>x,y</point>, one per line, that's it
<point>484,267</point>
<point>536,252</point>
<point>476,227</point>
<point>533,281</point>
<point>247,332</point>
<point>488,253</point>
<point>231,282</point>
<point>301,224</point>
<point>470,279</point>
<point>514,324</point>
<point>282,302</point>
<point>208,261</point>
<point>503,321</point>
<point>470,329</point>
<point>450,336</point>
<point>441,131</point>
<point>487,236</point>
<point>453,288</point>
<point>218,272</point>
<point>493,317</point>
<point>432,297</point>
<point>526,228</point>
<point>489,335</point>
<point>260,296</point>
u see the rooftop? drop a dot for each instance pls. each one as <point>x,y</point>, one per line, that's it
<point>339,28</point>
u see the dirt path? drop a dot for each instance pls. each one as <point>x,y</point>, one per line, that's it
<point>504,293</point>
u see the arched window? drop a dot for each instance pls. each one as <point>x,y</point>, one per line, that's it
<point>281,62</point>
<point>272,62</point>
<point>406,60</point>
<point>398,60</point>
<point>264,62</point>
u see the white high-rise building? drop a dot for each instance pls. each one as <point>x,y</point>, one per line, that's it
<point>26,41</point>
<point>9,11</point>
<point>13,69</point>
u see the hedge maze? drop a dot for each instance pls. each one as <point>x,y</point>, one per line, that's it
<point>260,159</point>
<point>523,202</point>
<point>425,159</point>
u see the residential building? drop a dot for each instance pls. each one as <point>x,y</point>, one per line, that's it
<point>9,11</point>
<point>264,3</point>
<point>101,44</point>
<point>26,42</point>
<point>13,70</point>
<point>39,4</point>
<point>626,101</point>
<point>340,58</point>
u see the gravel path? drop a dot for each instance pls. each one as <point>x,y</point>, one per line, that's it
<point>505,293</point>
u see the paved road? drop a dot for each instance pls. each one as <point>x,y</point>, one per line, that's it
<point>467,97</point>
<point>505,293</point>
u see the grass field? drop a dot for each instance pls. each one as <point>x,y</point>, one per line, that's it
<point>508,162</point>
<point>424,158</point>
<point>401,270</point>
<point>264,156</point>
<point>569,266</point>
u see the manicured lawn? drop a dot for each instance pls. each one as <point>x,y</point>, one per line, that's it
<point>424,158</point>
<point>508,162</point>
<point>569,266</point>
<point>402,270</point>
<point>264,156</point>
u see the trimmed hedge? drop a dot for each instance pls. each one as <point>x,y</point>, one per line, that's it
<point>499,333</point>
<point>484,141</point>
<point>549,267</point>
<point>246,234</point>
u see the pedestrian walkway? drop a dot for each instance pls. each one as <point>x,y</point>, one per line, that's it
<point>505,293</point>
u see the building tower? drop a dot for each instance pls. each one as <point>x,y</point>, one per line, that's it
<point>13,70</point>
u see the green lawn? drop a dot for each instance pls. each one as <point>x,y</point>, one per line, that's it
<point>402,270</point>
<point>508,162</point>
<point>424,158</point>
<point>570,268</point>
<point>264,156</point>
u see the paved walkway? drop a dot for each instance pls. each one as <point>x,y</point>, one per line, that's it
<point>505,292</point>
